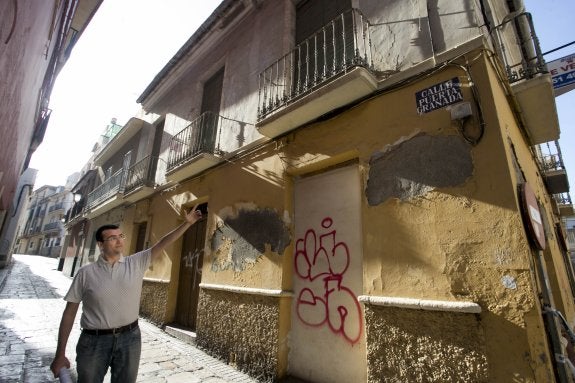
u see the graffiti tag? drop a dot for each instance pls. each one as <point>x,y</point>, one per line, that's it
<point>325,300</point>
<point>193,260</point>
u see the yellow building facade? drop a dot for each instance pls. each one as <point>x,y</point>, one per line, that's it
<point>333,257</point>
<point>390,222</point>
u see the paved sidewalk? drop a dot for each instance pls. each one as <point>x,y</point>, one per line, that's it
<point>31,305</point>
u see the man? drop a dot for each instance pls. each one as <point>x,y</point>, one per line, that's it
<point>110,290</point>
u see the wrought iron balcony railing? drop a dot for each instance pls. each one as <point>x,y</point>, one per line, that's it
<point>58,206</point>
<point>562,199</point>
<point>339,46</point>
<point>52,226</point>
<point>517,44</point>
<point>201,136</point>
<point>76,210</point>
<point>550,156</point>
<point>108,189</point>
<point>142,173</point>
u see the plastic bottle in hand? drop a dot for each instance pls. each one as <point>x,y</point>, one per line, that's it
<point>65,376</point>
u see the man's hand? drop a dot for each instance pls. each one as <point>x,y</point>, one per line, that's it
<point>58,363</point>
<point>193,215</point>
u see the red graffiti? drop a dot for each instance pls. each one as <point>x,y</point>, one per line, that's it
<point>326,300</point>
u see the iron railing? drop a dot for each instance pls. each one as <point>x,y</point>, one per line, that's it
<point>58,206</point>
<point>76,210</point>
<point>550,157</point>
<point>52,226</point>
<point>142,173</point>
<point>518,46</point>
<point>339,46</point>
<point>201,136</point>
<point>562,199</point>
<point>108,189</point>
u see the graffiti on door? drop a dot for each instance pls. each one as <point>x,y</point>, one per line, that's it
<point>324,299</point>
<point>192,260</point>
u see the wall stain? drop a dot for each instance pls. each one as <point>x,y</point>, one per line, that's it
<point>239,241</point>
<point>417,166</point>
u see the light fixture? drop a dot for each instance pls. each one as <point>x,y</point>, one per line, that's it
<point>77,197</point>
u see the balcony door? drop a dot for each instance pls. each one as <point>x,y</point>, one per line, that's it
<point>322,47</point>
<point>211,101</point>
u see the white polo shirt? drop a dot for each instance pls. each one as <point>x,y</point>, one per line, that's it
<point>110,294</point>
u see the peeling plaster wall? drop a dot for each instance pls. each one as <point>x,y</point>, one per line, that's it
<point>440,220</point>
<point>231,190</point>
<point>242,330</point>
<point>417,166</point>
<point>519,157</point>
<point>240,240</point>
<point>409,33</point>
<point>423,346</point>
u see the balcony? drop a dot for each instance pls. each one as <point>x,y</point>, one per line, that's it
<point>197,147</point>
<point>106,196</point>
<point>553,168</point>
<point>141,178</point>
<point>74,214</point>
<point>58,206</point>
<point>518,47</point>
<point>564,205</point>
<point>53,226</point>
<point>334,63</point>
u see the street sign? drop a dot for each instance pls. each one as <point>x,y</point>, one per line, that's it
<point>532,214</point>
<point>563,74</point>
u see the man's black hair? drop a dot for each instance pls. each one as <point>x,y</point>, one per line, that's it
<point>101,229</point>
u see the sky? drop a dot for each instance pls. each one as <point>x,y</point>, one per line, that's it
<point>553,20</point>
<point>129,41</point>
<point>125,45</point>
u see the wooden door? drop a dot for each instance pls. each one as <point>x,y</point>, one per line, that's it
<point>191,262</point>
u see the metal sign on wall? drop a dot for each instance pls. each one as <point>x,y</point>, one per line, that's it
<point>532,215</point>
<point>438,96</point>
<point>563,74</point>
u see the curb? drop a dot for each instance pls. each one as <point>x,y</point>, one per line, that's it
<point>4,272</point>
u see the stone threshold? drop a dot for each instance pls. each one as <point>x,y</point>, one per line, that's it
<point>182,333</point>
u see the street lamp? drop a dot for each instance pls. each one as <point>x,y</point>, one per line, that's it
<point>77,197</point>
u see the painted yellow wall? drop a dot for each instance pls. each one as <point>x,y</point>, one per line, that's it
<point>451,243</point>
<point>463,240</point>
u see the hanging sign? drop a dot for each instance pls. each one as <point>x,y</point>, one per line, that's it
<point>563,74</point>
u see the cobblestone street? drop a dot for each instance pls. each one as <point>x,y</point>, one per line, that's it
<point>31,305</point>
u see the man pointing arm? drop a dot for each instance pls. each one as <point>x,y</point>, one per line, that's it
<point>110,291</point>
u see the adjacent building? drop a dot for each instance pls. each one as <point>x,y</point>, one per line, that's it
<point>48,30</point>
<point>382,188</point>
<point>42,230</point>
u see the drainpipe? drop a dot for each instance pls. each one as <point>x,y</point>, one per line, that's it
<point>524,26</point>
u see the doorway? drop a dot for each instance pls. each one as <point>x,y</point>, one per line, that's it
<point>191,262</point>
<point>327,339</point>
